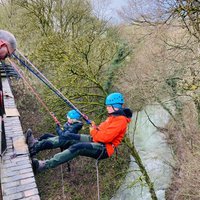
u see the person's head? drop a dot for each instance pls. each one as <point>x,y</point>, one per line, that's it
<point>114,102</point>
<point>8,44</point>
<point>73,116</point>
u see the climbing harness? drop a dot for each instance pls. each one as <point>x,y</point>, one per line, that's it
<point>42,78</point>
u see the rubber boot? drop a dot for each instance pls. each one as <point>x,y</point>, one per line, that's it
<point>30,140</point>
<point>38,165</point>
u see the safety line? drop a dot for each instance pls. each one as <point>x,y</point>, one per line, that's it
<point>33,91</point>
<point>49,85</point>
<point>97,170</point>
<point>44,77</point>
<point>62,182</point>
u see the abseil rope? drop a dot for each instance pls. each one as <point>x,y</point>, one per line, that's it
<point>33,91</point>
<point>41,77</point>
<point>62,182</point>
<point>97,169</point>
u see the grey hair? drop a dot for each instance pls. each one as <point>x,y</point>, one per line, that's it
<point>8,37</point>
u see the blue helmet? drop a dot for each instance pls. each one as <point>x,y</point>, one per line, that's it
<point>115,99</point>
<point>73,114</point>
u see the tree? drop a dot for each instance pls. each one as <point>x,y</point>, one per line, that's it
<point>74,46</point>
<point>173,74</point>
<point>74,50</point>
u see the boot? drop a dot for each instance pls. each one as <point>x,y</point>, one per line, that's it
<point>30,140</point>
<point>38,165</point>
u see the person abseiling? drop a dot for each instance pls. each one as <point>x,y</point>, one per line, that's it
<point>101,142</point>
<point>51,141</point>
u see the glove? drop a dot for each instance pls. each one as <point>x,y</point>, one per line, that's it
<point>93,126</point>
<point>86,118</point>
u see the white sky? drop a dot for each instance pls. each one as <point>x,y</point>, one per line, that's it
<point>107,9</point>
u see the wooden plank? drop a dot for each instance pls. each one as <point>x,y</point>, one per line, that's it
<point>11,112</point>
<point>20,146</point>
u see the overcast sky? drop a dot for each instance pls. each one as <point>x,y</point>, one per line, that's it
<point>108,9</point>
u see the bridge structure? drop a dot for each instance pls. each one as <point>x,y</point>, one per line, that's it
<point>17,177</point>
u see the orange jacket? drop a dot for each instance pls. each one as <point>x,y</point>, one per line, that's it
<point>111,132</point>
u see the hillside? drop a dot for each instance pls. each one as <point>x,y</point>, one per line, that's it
<point>159,72</point>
